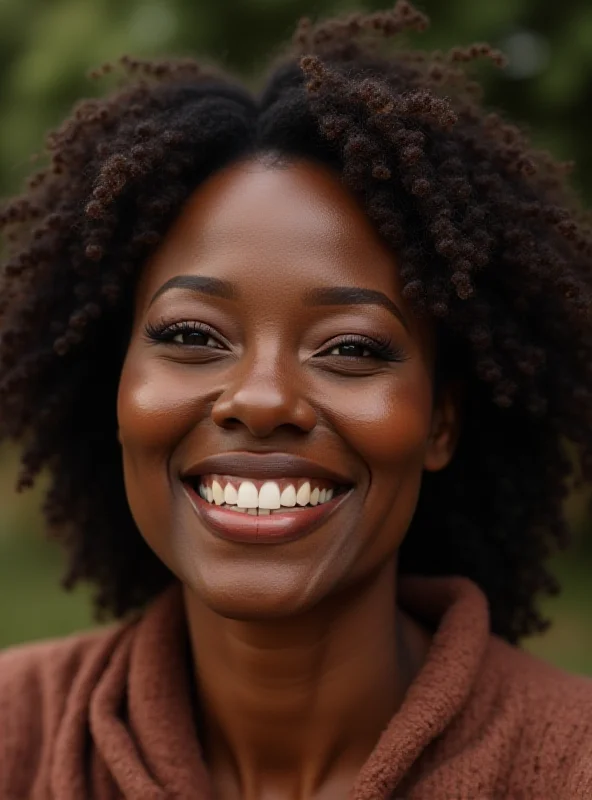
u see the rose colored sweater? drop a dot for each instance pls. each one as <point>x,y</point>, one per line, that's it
<point>107,715</point>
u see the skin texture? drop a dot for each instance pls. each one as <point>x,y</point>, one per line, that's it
<point>292,706</point>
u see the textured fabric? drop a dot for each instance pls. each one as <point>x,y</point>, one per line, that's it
<point>108,714</point>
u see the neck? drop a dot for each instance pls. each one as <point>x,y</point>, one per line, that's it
<point>293,708</point>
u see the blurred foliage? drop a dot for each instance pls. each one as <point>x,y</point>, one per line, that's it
<point>48,46</point>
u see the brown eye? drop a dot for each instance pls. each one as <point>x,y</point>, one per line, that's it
<point>184,334</point>
<point>195,339</point>
<point>355,346</point>
<point>351,349</point>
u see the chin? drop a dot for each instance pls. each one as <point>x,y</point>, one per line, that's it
<point>253,593</point>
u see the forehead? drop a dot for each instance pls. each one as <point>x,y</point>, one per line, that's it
<point>253,222</point>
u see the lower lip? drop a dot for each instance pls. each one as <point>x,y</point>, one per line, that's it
<point>238,526</point>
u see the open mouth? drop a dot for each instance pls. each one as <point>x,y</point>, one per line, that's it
<point>265,497</point>
<point>263,511</point>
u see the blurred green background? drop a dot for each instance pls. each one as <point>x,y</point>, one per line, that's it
<point>48,46</point>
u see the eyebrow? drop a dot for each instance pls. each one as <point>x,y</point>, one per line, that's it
<point>322,296</point>
<point>354,296</point>
<point>197,283</point>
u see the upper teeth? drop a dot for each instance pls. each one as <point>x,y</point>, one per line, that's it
<point>245,494</point>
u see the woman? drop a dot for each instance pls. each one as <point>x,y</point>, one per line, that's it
<point>302,369</point>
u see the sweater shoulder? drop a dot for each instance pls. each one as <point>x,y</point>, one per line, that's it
<point>36,681</point>
<point>553,710</point>
<point>544,687</point>
<point>46,664</point>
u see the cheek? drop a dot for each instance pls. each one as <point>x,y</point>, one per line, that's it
<point>159,402</point>
<point>390,429</point>
<point>153,416</point>
<point>149,409</point>
<point>389,426</point>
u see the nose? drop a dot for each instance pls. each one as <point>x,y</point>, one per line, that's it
<point>264,399</point>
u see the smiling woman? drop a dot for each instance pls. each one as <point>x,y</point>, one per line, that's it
<point>273,385</point>
<point>301,367</point>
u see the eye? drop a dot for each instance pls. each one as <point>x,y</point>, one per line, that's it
<point>195,339</point>
<point>356,347</point>
<point>184,334</point>
<point>351,349</point>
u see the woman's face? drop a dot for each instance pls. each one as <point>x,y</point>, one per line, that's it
<point>270,327</point>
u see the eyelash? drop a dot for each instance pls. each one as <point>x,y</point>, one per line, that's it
<point>163,332</point>
<point>382,348</point>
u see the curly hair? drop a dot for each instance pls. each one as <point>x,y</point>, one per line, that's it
<point>492,244</point>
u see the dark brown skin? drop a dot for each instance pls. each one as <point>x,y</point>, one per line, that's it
<point>299,650</point>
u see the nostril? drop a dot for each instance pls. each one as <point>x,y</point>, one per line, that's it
<point>231,421</point>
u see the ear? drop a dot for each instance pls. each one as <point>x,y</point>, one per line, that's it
<point>446,419</point>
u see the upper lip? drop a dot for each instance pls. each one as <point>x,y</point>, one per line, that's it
<point>261,466</point>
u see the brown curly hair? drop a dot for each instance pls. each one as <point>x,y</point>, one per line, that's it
<point>492,246</point>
